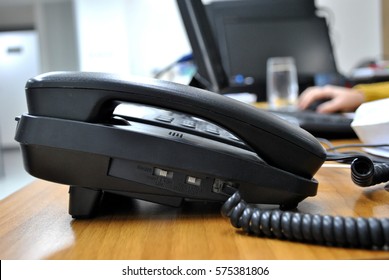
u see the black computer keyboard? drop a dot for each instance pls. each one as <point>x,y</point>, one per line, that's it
<point>320,125</point>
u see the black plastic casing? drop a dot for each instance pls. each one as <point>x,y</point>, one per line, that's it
<point>67,137</point>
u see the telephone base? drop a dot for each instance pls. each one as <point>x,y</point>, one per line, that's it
<point>84,202</point>
<point>97,158</point>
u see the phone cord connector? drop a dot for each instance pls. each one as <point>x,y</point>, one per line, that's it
<point>367,233</point>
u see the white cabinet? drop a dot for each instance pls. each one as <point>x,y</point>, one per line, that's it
<point>19,61</point>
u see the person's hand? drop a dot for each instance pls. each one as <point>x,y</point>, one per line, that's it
<point>341,99</point>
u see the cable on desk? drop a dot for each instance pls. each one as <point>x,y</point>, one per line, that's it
<point>332,148</point>
<point>370,233</point>
<point>364,171</point>
<point>367,233</point>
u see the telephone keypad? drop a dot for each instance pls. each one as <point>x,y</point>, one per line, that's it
<point>198,126</point>
<point>178,121</point>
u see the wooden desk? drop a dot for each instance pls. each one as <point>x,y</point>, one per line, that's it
<point>34,224</point>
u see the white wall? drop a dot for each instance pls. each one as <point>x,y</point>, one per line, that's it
<point>158,36</point>
<point>129,36</point>
<point>54,21</point>
<point>102,35</point>
<point>356,30</point>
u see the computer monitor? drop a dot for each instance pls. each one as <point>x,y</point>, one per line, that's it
<point>245,53</point>
<point>261,8</point>
<point>249,32</point>
<point>210,73</point>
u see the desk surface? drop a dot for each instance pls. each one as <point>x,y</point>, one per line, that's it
<point>34,224</point>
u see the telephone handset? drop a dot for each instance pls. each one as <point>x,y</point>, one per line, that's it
<point>170,143</point>
<point>92,97</point>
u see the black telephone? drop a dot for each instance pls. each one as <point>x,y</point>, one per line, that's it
<point>175,143</point>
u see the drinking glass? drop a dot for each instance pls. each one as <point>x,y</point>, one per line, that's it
<point>282,84</point>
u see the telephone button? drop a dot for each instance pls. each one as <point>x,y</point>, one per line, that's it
<point>167,119</point>
<point>189,123</point>
<point>212,129</point>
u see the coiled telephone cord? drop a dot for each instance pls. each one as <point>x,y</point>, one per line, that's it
<point>367,233</point>
<point>365,173</point>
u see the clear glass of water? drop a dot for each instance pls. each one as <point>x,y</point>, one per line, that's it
<point>282,84</point>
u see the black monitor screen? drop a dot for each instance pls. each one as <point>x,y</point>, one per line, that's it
<point>271,9</point>
<point>247,44</point>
